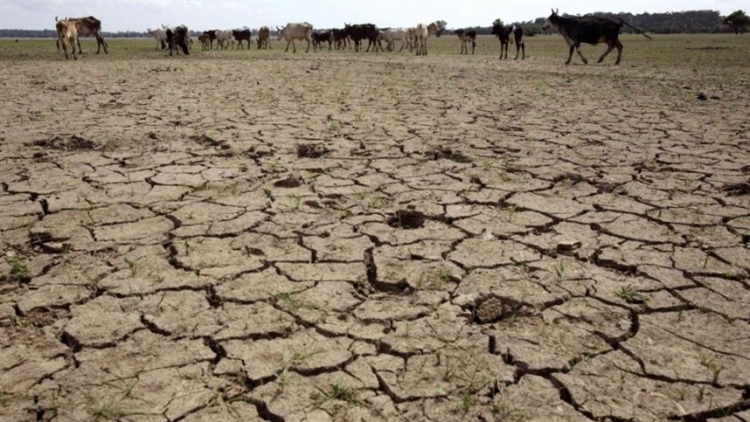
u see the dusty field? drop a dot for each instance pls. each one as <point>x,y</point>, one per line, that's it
<point>267,236</point>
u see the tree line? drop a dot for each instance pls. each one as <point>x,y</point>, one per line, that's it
<point>693,21</point>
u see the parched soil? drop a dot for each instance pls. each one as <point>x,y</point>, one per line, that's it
<point>336,237</point>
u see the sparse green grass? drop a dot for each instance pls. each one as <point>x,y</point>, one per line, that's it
<point>434,279</point>
<point>472,384</point>
<point>294,204</point>
<point>337,391</point>
<point>630,295</point>
<point>99,410</point>
<point>504,412</point>
<point>18,268</point>
<point>132,266</point>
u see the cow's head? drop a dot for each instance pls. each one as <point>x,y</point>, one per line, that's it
<point>498,28</point>
<point>280,32</point>
<point>552,20</point>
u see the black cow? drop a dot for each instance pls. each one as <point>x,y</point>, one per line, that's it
<point>504,33</point>
<point>466,35</point>
<point>178,37</point>
<point>242,35</point>
<point>320,37</point>
<point>590,30</point>
<point>361,32</point>
<point>211,37</point>
<point>340,38</point>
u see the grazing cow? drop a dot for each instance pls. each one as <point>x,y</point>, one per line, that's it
<point>177,37</point>
<point>590,30</point>
<point>361,32</point>
<point>224,38</point>
<point>466,35</point>
<point>320,37</point>
<point>296,31</point>
<point>86,27</point>
<point>390,36</point>
<point>507,35</point>
<point>160,35</point>
<point>211,37</point>
<point>67,35</point>
<point>264,37</point>
<point>242,35</point>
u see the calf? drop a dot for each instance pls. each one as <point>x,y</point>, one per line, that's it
<point>320,37</point>
<point>67,34</point>
<point>296,31</point>
<point>177,37</point>
<point>88,26</point>
<point>507,35</point>
<point>242,35</point>
<point>466,35</point>
<point>264,37</point>
<point>203,38</point>
<point>361,32</point>
<point>211,37</point>
<point>590,30</point>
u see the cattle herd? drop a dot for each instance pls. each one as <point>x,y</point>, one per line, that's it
<point>575,30</point>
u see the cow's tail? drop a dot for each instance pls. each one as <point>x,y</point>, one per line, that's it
<point>638,31</point>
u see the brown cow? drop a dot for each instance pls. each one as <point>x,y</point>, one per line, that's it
<point>67,34</point>
<point>87,27</point>
<point>264,37</point>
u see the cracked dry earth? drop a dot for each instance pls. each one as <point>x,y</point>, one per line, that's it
<point>336,243</point>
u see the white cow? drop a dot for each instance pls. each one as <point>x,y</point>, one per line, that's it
<point>224,38</point>
<point>296,31</point>
<point>423,32</point>
<point>392,35</point>
<point>160,35</point>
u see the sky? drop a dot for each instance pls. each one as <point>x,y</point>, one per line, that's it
<point>138,15</point>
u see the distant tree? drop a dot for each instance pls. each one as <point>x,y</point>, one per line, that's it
<point>737,20</point>
<point>441,27</point>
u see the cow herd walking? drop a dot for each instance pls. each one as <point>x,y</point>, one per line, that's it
<point>575,30</point>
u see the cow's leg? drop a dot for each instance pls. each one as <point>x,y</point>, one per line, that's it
<point>570,55</point>
<point>104,44</point>
<point>523,51</point>
<point>308,46</point>
<point>78,41</point>
<point>58,44</point>
<point>518,50</point>
<point>65,47</point>
<point>610,47</point>
<point>578,50</point>
<point>619,51</point>
<point>74,49</point>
